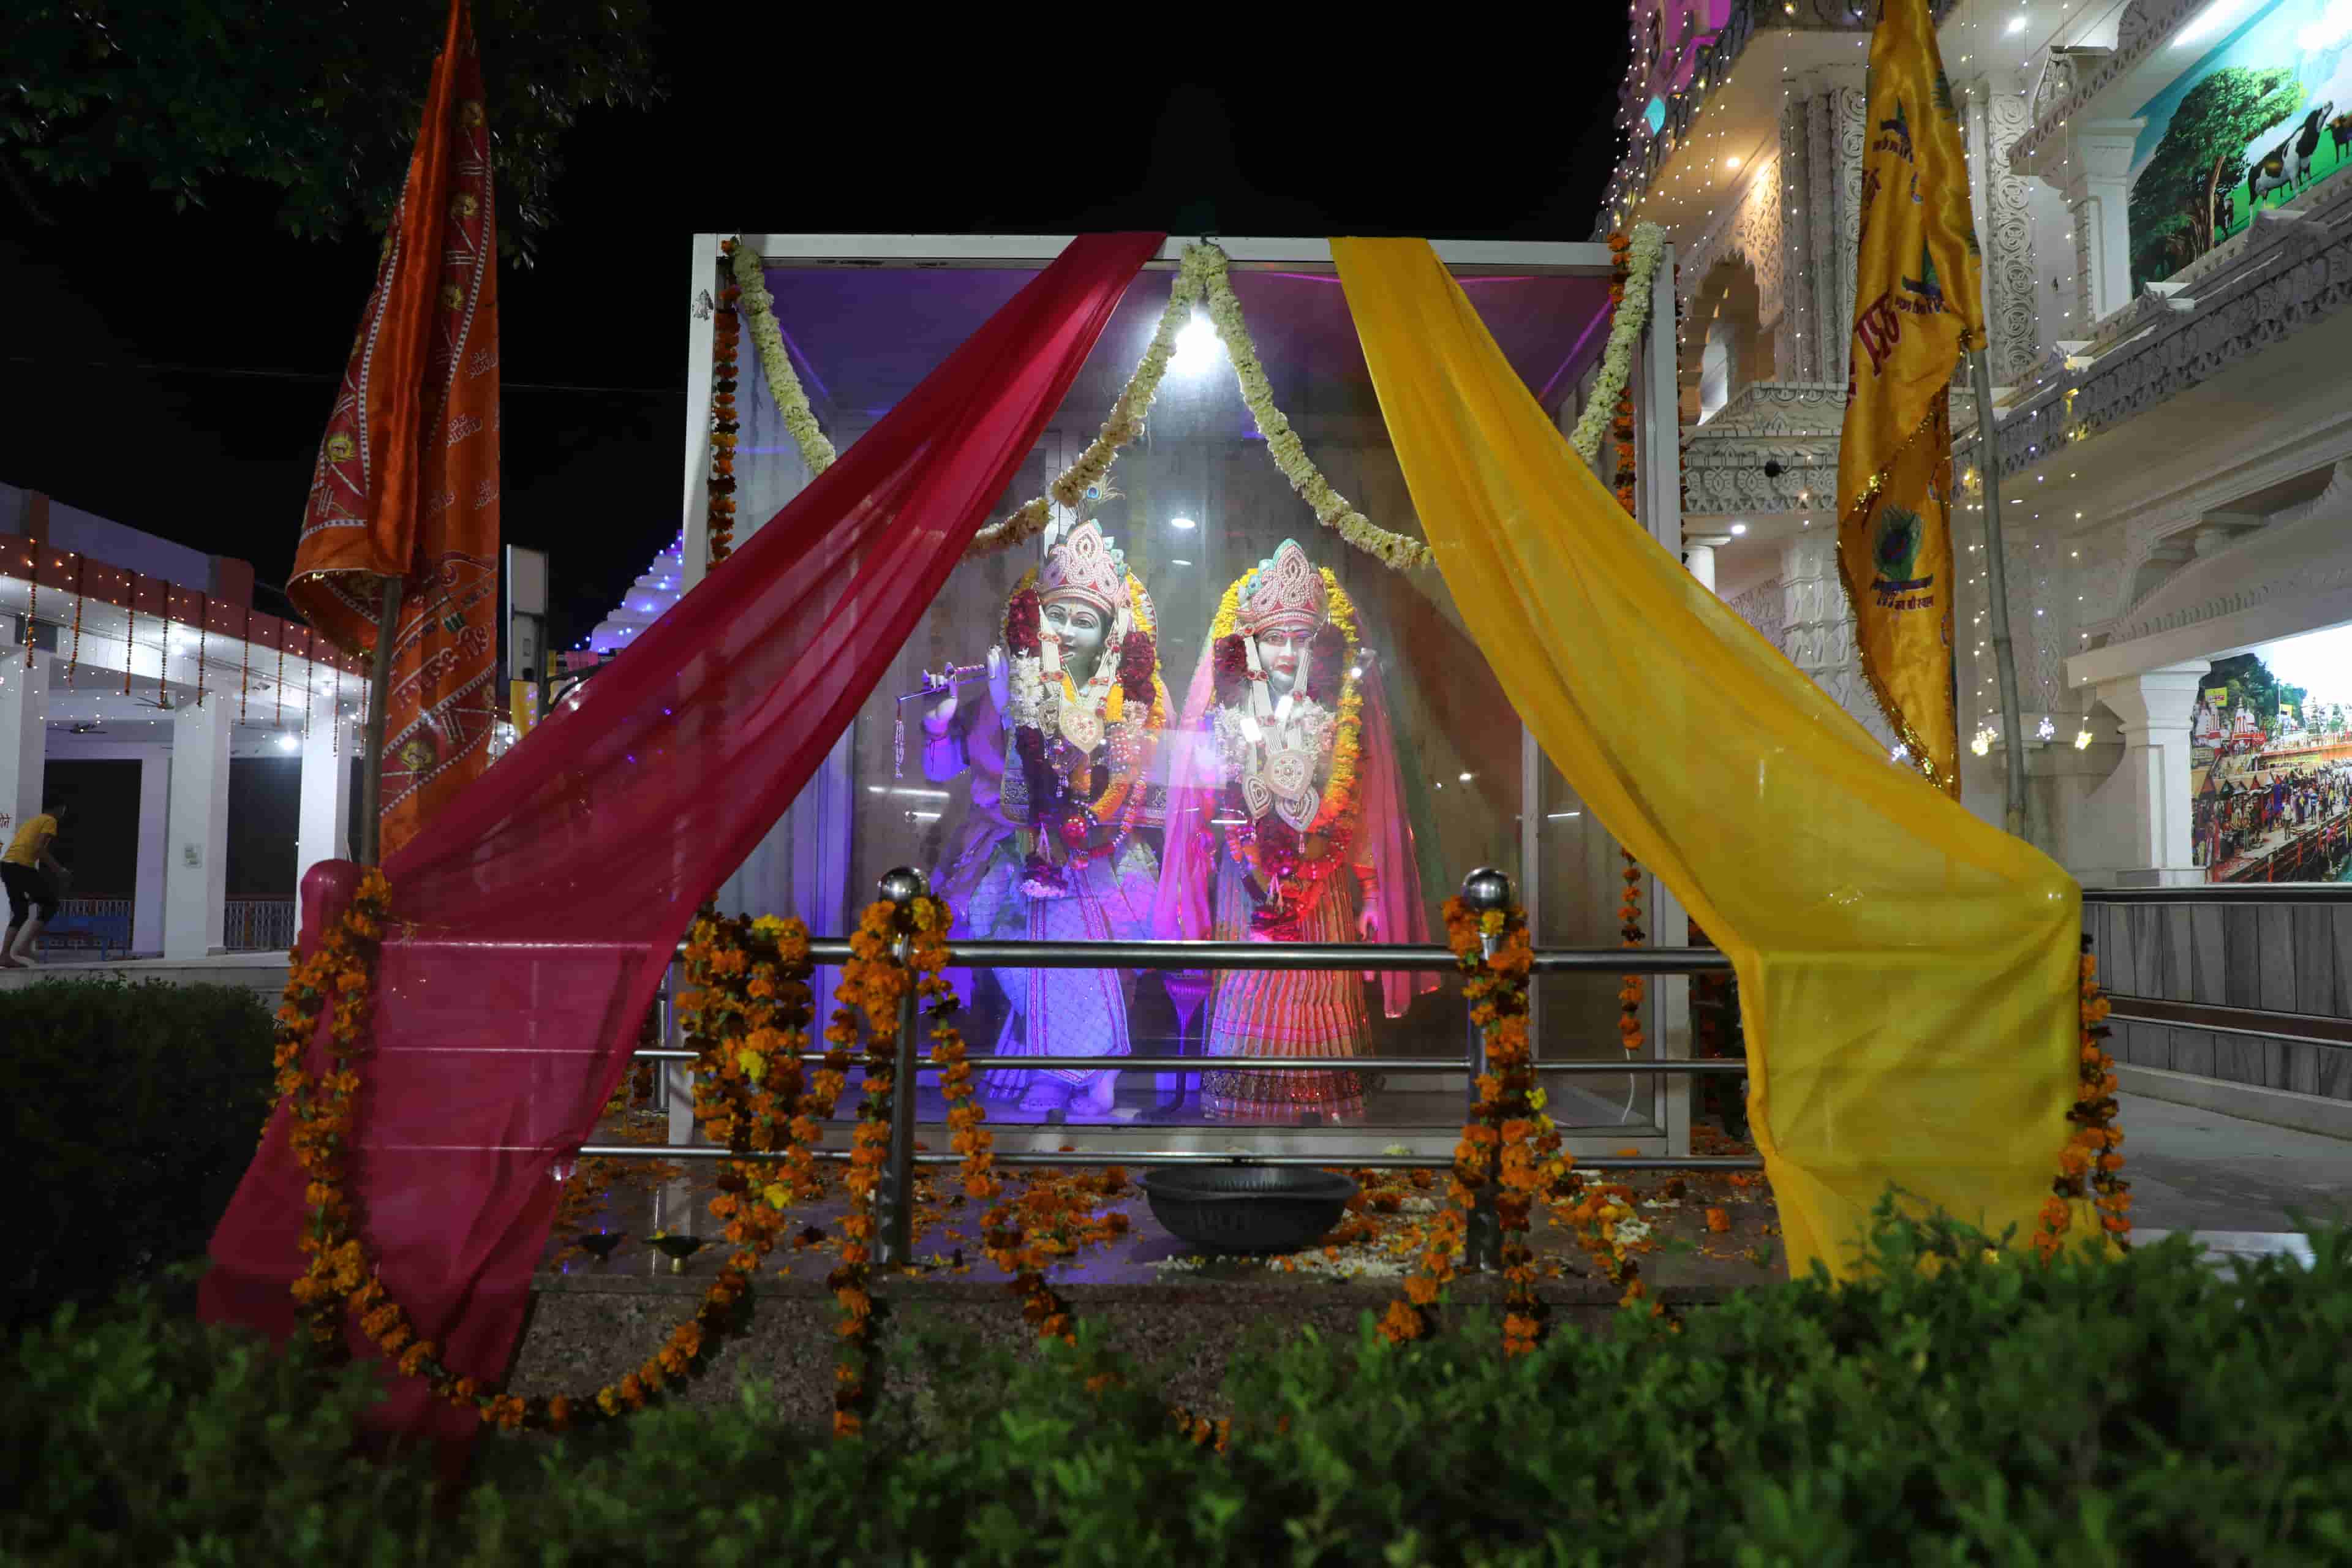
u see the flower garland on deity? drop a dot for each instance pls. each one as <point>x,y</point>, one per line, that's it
<point>1286,824</point>
<point>1632,988</point>
<point>1274,835</point>
<point>1095,781</point>
<point>723,423</point>
<point>749,1018</point>
<point>1634,267</point>
<point>2089,1167</point>
<point>1061,840</point>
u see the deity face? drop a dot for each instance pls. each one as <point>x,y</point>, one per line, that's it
<point>1281,652</point>
<point>1082,629</point>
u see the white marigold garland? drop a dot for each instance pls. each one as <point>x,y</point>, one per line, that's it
<point>1642,258</point>
<point>776,364</point>
<point>1331,509</point>
<point>1124,424</point>
<point>1201,272</point>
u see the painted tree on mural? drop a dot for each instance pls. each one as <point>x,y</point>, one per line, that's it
<point>2199,162</point>
<point>2253,687</point>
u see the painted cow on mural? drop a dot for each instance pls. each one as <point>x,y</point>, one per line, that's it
<point>2287,166</point>
<point>2339,131</point>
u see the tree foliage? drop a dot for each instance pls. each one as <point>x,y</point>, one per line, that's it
<point>2171,203</point>
<point>321,101</point>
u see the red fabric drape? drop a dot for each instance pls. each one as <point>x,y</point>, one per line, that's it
<point>547,900</point>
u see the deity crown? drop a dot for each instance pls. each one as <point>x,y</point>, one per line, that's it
<point>1084,566</point>
<point>1284,595</point>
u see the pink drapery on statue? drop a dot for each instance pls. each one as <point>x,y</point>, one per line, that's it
<point>540,912</point>
<point>1185,909</point>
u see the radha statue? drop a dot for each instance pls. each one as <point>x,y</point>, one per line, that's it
<point>1286,824</point>
<point>1064,803</point>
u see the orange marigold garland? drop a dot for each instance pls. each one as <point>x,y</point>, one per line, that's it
<point>1509,1146</point>
<point>1633,989</point>
<point>872,982</point>
<point>2089,1167</point>
<point>725,343</point>
<point>750,1019</point>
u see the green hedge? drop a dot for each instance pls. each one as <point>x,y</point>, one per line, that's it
<point>2150,1411</point>
<point>137,1108</point>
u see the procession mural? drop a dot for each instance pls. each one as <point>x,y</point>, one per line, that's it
<point>2270,752</point>
<point>2262,117</point>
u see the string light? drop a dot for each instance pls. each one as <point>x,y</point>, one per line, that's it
<point>73,660</point>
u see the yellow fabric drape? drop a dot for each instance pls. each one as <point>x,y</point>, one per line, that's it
<point>1908,974</point>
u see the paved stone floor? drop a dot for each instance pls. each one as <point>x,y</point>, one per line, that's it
<point>2243,1187</point>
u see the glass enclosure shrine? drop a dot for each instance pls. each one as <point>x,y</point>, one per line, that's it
<point>1192,507</point>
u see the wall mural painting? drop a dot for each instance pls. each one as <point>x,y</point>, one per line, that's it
<point>2262,117</point>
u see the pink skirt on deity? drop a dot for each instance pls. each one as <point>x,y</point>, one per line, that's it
<point>1295,1013</point>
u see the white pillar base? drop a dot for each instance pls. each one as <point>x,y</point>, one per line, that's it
<point>322,828</point>
<point>2155,707</point>
<point>195,870</point>
<point>154,844</point>
<point>23,737</point>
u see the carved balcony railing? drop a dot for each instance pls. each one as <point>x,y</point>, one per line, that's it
<point>1720,54</point>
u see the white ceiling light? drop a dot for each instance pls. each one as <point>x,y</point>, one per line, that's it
<point>2017,24</point>
<point>289,743</point>
<point>1739,528</point>
<point>1196,347</point>
<point>1181,523</point>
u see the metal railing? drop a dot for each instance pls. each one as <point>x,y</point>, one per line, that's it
<point>257,925</point>
<point>104,924</point>
<point>2226,893</point>
<point>1486,888</point>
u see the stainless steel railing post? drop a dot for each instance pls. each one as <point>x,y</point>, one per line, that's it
<point>901,886</point>
<point>1482,1241</point>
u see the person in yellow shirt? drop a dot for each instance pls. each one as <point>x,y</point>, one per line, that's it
<point>28,870</point>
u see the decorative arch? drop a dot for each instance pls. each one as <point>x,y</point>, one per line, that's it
<point>1726,344</point>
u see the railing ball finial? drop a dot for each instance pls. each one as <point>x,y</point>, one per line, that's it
<point>1487,888</point>
<point>903,884</point>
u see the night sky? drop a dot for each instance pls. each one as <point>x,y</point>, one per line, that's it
<point>173,371</point>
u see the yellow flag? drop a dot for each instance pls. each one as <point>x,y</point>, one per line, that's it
<point>1917,309</point>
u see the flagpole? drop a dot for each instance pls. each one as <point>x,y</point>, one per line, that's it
<point>388,623</point>
<point>2004,658</point>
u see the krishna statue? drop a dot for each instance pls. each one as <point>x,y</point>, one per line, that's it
<point>1056,845</point>
<point>1286,822</point>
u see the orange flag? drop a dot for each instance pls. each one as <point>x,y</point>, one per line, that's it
<point>407,485</point>
<point>1917,310</point>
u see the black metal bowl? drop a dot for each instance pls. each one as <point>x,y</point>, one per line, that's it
<point>1247,1208</point>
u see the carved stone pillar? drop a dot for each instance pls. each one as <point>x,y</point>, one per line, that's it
<point>1996,118</point>
<point>1837,124</point>
<point>1817,628</point>
<point>2098,196</point>
<point>1795,336</point>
